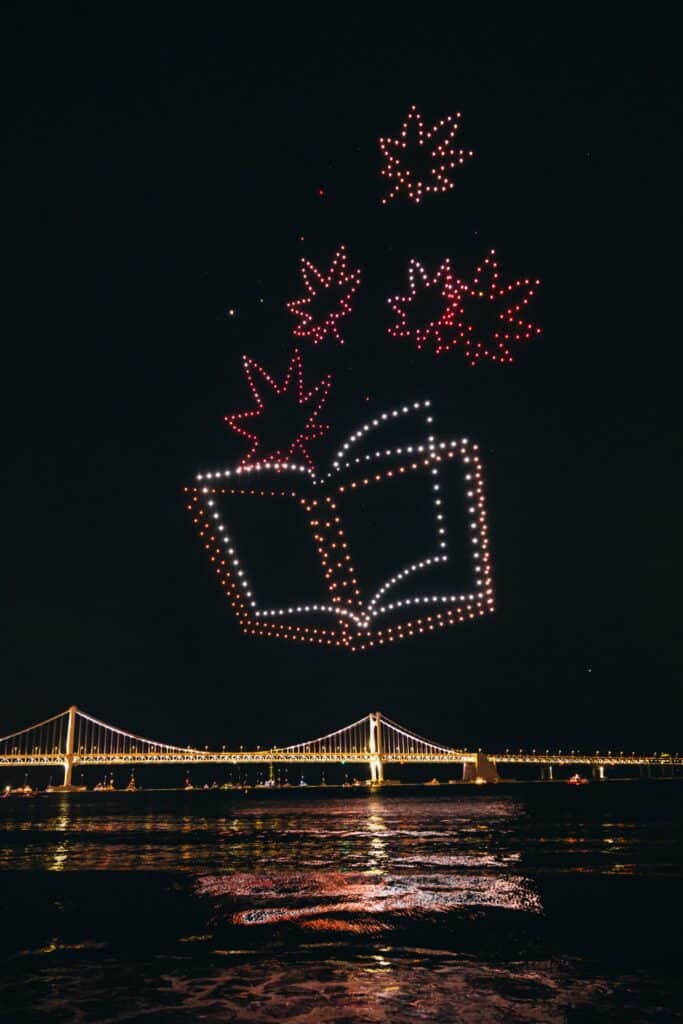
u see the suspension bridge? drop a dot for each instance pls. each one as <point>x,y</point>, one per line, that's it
<point>75,738</point>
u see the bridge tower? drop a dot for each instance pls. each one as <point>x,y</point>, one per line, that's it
<point>376,766</point>
<point>70,738</point>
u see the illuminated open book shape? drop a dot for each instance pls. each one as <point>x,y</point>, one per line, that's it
<point>361,556</point>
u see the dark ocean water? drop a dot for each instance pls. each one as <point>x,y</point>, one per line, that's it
<point>495,905</point>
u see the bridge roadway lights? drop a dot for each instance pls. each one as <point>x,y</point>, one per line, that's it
<point>482,769</point>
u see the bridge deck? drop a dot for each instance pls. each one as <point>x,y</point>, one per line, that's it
<point>331,757</point>
<point>73,737</point>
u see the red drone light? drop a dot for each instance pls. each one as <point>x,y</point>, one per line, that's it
<point>489,316</point>
<point>328,300</point>
<point>421,160</point>
<point>306,403</point>
<point>481,315</point>
<point>426,312</point>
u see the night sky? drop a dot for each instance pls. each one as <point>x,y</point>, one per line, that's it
<point>160,173</point>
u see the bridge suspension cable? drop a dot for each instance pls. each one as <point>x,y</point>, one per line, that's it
<point>95,737</point>
<point>43,738</point>
<point>390,740</point>
<point>352,739</point>
<point>75,734</point>
<point>397,741</point>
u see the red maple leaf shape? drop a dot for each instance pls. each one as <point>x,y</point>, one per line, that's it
<point>488,317</point>
<point>328,299</point>
<point>305,404</point>
<point>426,312</point>
<point>421,160</point>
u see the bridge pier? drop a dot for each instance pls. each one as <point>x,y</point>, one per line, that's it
<point>482,769</point>
<point>599,771</point>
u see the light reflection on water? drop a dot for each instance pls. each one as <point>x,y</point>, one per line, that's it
<point>454,907</point>
<point>214,832</point>
<point>302,898</point>
<point>360,834</point>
